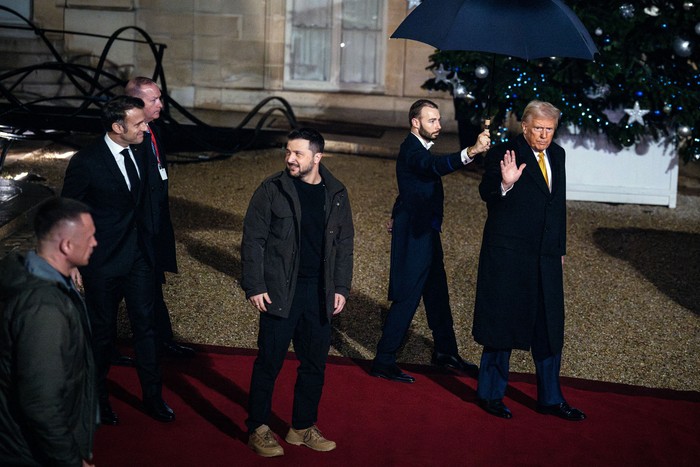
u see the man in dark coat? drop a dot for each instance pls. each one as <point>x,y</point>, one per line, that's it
<point>48,398</point>
<point>296,258</point>
<point>417,268</point>
<point>164,236</point>
<point>110,176</point>
<point>520,290</point>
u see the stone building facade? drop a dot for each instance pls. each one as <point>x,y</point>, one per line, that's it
<point>330,59</point>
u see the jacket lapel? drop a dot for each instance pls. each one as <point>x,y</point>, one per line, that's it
<point>111,164</point>
<point>532,169</point>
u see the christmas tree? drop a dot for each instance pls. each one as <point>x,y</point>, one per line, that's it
<point>645,82</point>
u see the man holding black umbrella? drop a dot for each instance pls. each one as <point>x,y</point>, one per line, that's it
<point>519,287</point>
<point>417,268</point>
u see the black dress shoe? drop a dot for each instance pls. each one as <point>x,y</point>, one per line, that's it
<point>562,410</point>
<point>107,415</point>
<point>122,360</point>
<point>173,349</point>
<point>158,409</point>
<point>452,362</point>
<point>495,407</point>
<point>392,373</point>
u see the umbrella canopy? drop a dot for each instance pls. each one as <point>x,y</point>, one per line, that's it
<point>528,29</point>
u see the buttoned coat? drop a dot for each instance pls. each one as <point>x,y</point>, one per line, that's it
<point>94,178</point>
<point>521,251</point>
<point>417,211</point>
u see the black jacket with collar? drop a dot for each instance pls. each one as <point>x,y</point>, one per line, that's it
<point>48,396</point>
<point>271,242</point>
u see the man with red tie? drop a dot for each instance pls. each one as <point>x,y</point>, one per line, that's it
<point>148,91</point>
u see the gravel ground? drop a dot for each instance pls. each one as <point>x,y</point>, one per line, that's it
<point>632,272</point>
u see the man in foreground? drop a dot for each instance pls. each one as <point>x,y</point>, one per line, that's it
<point>296,255</point>
<point>48,398</point>
<point>110,176</point>
<point>520,288</point>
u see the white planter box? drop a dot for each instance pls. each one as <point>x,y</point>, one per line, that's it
<point>643,174</point>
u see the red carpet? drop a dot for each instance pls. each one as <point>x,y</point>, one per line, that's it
<point>433,422</point>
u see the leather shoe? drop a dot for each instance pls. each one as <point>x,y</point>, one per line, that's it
<point>452,362</point>
<point>158,409</point>
<point>562,410</point>
<point>392,373</point>
<point>173,349</point>
<point>107,415</point>
<point>495,407</point>
<point>122,360</point>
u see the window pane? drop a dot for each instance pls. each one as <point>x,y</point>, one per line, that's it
<point>311,40</point>
<point>361,39</point>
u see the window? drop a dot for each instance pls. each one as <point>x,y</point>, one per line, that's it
<point>335,44</point>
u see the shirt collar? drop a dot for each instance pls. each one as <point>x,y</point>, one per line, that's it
<point>115,148</point>
<point>426,144</point>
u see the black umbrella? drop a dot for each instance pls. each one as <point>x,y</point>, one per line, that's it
<point>527,29</point>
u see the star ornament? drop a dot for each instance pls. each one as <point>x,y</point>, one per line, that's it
<point>455,81</point>
<point>636,114</point>
<point>441,74</point>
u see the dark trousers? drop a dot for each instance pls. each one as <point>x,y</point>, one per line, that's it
<point>103,294</point>
<point>309,329</point>
<point>494,367</point>
<point>432,287</point>
<point>164,327</point>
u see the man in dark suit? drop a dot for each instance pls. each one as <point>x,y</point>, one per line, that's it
<point>110,176</point>
<point>164,239</point>
<point>520,290</point>
<point>417,268</point>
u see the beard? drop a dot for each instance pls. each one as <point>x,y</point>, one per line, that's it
<point>299,171</point>
<point>426,135</point>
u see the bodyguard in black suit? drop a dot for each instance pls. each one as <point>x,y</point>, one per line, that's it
<point>159,209</point>
<point>417,268</point>
<point>520,291</point>
<point>110,176</point>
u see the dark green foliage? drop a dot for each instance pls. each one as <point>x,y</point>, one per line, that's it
<point>637,63</point>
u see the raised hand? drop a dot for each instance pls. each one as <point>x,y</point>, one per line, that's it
<point>510,172</point>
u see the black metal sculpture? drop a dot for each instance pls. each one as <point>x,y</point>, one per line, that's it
<point>61,117</point>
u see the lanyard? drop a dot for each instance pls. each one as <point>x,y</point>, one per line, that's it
<point>154,146</point>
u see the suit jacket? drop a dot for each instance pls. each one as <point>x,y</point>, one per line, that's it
<point>417,212</point>
<point>523,242</point>
<point>159,206</point>
<point>121,225</point>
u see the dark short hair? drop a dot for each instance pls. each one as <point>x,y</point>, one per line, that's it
<point>115,110</point>
<point>315,139</point>
<point>55,210</point>
<point>417,106</point>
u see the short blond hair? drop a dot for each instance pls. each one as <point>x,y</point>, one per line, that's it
<point>541,109</point>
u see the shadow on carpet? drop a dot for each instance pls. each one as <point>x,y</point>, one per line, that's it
<point>433,422</point>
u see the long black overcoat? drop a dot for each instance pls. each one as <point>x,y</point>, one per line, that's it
<point>159,207</point>
<point>521,252</point>
<point>417,212</point>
